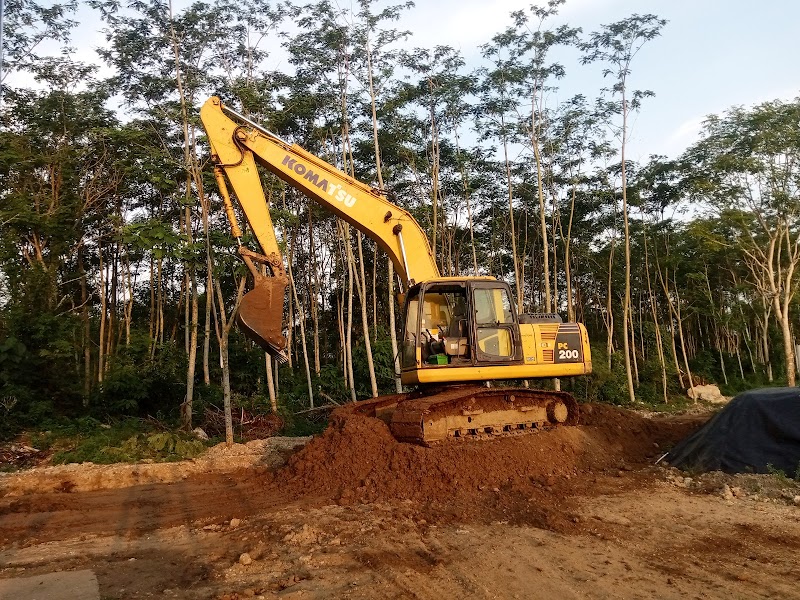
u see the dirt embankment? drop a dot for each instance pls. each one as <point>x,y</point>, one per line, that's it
<point>256,455</point>
<point>528,478</point>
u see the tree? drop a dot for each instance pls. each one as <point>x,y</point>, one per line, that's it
<point>617,44</point>
<point>533,43</point>
<point>59,177</point>
<point>27,25</point>
<point>749,172</point>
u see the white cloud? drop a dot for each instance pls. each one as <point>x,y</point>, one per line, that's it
<point>688,132</point>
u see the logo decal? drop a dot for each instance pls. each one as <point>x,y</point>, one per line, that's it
<point>335,190</point>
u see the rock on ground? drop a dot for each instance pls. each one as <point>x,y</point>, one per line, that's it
<point>707,393</point>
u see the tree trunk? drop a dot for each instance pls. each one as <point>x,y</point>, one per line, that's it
<point>349,343</point>
<point>222,337</point>
<point>654,312</point>
<point>379,172</point>
<point>101,345</point>
<point>548,306</point>
<point>739,356</point>
<point>465,187</point>
<point>568,258</point>
<point>87,330</point>
<point>226,386</point>
<point>153,309</point>
<point>626,303</point>
<point>313,285</point>
<point>609,317</point>
<point>721,358</point>
<point>209,292</point>
<point>375,290</point>
<point>362,288</point>
<point>682,338</point>
<point>273,397</point>
<point>782,313</point>
<point>186,407</point>
<point>509,185</point>
<point>159,303</point>
<point>302,318</point>
<point>434,171</point>
<point>342,337</point>
<point>764,325</point>
<point>129,302</point>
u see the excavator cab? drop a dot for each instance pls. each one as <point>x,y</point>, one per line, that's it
<point>460,330</point>
<point>453,323</point>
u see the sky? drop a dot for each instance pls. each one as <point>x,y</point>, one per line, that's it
<point>711,55</point>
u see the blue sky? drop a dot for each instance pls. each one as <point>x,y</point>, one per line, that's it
<point>712,54</point>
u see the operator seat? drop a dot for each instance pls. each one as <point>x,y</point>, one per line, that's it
<point>457,342</point>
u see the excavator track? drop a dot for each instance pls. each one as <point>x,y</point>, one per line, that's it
<point>430,417</point>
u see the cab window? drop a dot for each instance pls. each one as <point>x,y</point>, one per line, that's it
<point>493,321</point>
<point>492,306</point>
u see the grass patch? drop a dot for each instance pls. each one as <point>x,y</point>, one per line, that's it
<point>130,440</point>
<point>782,477</point>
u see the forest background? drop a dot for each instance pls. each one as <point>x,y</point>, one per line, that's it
<point>118,276</point>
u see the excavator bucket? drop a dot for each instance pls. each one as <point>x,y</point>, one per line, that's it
<point>261,314</point>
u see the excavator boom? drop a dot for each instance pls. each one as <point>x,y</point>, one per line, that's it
<point>237,144</point>
<point>237,149</point>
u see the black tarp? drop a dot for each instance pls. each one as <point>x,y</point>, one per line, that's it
<point>757,432</point>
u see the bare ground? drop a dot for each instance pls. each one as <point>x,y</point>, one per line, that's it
<point>567,513</point>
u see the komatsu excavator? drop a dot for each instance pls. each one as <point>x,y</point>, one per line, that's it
<point>459,332</point>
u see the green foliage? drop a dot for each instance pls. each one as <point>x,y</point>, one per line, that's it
<point>784,478</point>
<point>154,236</point>
<point>604,384</point>
<point>330,384</point>
<point>99,215</point>
<point>610,385</point>
<point>36,365</point>
<point>384,367</point>
<point>138,385</point>
<point>130,440</point>
<point>302,424</point>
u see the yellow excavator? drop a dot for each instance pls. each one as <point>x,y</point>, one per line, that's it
<point>459,334</point>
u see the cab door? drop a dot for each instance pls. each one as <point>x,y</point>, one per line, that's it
<point>494,324</point>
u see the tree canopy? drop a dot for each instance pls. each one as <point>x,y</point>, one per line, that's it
<point>117,271</point>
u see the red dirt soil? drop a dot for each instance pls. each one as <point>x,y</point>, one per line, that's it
<point>357,460</point>
<point>567,512</point>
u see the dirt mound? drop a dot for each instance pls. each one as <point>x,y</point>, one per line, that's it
<point>357,460</point>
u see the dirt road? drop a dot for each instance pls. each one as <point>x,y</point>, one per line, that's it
<point>568,513</point>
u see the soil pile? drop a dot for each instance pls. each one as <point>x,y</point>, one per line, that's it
<point>357,460</point>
